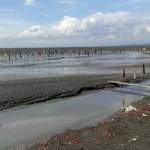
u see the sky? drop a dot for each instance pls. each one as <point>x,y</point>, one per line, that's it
<point>63,23</point>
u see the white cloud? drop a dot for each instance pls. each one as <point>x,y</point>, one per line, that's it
<point>73,27</point>
<point>29,2</point>
<point>6,35</point>
<point>98,28</point>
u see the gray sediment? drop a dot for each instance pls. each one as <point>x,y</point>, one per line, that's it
<point>29,91</point>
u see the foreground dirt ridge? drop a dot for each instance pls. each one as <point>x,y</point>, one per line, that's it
<point>29,91</point>
<point>127,130</point>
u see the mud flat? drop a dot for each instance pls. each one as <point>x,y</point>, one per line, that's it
<point>29,91</point>
<point>129,130</point>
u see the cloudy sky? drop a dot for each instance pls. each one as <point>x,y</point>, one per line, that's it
<point>48,23</point>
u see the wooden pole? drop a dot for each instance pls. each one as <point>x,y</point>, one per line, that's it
<point>124,73</point>
<point>134,76</point>
<point>144,72</point>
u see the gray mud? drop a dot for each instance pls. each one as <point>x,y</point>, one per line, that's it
<point>29,91</point>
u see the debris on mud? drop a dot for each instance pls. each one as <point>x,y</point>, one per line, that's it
<point>126,130</point>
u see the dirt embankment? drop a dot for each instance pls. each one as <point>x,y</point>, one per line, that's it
<point>128,130</point>
<point>29,91</point>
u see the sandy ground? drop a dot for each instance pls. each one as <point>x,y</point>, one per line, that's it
<point>29,91</point>
<point>128,130</point>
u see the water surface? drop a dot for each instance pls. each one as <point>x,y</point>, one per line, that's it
<point>28,124</point>
<point>43,66</point>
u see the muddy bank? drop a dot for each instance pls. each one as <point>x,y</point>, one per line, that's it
<point>29,91</point>
<point>125,130</point>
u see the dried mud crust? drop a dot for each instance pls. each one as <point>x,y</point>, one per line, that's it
<point>124,131</point>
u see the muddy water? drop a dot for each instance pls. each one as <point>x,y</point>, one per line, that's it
<point>106,63</point>
<point>29,124</point>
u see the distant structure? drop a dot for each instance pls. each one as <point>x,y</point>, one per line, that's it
<point>124,73</point>
<point>144,72</point>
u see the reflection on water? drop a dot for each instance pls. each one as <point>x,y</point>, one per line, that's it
<point>68,65</point>
<point>22,124</point>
